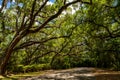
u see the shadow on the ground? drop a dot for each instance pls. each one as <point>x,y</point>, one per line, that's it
<point>108,77</point>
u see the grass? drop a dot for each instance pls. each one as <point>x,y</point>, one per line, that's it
<point>21,75</point>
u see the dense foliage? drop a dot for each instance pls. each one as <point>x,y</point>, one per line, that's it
<point>39,34</point>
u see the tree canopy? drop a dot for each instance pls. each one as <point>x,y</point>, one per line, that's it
<point>37,34</point>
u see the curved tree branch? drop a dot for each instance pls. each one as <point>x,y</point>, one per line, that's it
<point>4,3</point>
<point>53,16</point>
<point>29,43</point>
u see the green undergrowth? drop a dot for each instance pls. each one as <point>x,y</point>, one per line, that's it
<point>21,75</point>
<point>29,68</point>
<point>20,71</point>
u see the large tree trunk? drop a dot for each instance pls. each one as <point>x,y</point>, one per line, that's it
<point>8,53</point>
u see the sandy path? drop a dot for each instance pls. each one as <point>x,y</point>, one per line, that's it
<point>78,74</point>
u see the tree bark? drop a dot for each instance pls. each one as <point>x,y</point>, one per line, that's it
<point>8,53</point>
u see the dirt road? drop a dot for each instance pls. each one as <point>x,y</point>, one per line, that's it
<point>78,74</point>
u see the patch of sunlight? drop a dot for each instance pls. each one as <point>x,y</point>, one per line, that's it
<point>21,75</point>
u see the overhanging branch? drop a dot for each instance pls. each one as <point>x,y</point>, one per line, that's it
<point>4,3</point>
<point>29,43</point>
<point>53,16</point>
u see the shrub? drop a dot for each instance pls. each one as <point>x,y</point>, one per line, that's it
<point>31,68</point>
<point>61,63</point>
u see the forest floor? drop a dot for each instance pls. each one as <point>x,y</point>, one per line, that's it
<point>71,74</point>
